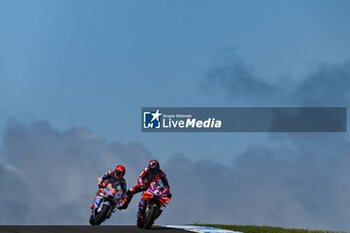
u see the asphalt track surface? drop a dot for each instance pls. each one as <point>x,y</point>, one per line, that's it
<point>86,229</point>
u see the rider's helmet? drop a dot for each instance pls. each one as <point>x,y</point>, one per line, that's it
<point>153,166</point>
<point>119,171</point>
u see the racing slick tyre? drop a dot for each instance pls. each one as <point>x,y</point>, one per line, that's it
<point>139,222</point>
<point>101,216</point>
<point>92,220</point>
<point>150,216</point>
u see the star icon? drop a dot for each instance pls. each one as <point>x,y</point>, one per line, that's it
<point>156,115</point>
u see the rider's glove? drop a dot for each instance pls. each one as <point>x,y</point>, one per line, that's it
<point>102,185</point>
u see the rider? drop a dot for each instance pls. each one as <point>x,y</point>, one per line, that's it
<point>116,178</point>
<point>151,173</point>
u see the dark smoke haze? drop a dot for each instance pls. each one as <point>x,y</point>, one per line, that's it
<point>49,176</point>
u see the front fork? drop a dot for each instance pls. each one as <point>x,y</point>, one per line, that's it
<point>98,204</point>
<point>160,210</point>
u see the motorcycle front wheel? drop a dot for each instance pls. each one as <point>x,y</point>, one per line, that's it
<point>101,216</point>
<point>139,221</point>
<point>150,216</point>
<point>92,219</point>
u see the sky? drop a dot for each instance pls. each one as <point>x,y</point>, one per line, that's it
<point>76,71</point>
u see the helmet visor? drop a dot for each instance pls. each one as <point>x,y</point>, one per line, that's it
<point>153,166</point>
<point>120,174</point>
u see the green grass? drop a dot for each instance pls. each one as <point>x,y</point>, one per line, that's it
<point>263,229</point>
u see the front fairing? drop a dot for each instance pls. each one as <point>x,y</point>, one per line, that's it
<point>156,194</point>
<point>107,196</point>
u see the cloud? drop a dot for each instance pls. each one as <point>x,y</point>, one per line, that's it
<point>13,195</point>
<point>52,175</point>
<point>327,85</point>
<point>324,85</point>
<point>304,179</point>
<point>298,187</point>
<point>49,177</point>
<point>230,77</point>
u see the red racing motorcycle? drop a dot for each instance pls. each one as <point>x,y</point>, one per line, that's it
<point>152,203</point>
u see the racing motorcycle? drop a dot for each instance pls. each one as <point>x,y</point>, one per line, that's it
<point>153,202</point>
<point>105,202</point>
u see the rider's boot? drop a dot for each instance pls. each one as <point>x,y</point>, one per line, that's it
<point>126,202</point>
